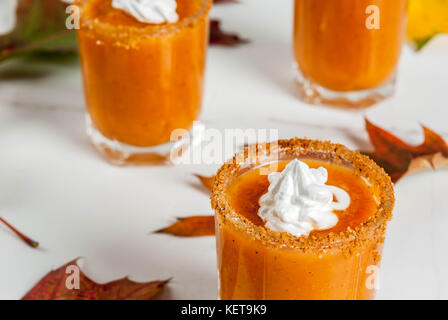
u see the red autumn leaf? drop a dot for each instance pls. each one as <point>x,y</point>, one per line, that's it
<point>194,226</point>
<point>397,156</point>
<point>55,286</point>
<point>26,239</point>
<point>223,38</point>
<point>206,181</point>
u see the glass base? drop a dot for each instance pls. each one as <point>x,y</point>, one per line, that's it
<point>119,153</point>
<point>313,93</point>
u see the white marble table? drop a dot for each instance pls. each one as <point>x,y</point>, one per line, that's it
<point>57,189</point>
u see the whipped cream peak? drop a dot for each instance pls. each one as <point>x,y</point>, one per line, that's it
<point>149,11</point>
<point>298,200</point>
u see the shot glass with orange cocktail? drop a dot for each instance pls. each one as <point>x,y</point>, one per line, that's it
<point>313,228</point>
<point>142,80</point>
<point>347,51</point>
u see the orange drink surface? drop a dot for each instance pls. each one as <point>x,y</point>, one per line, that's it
<point>142,81</point>
<point>244,193</point>
<point>349,45</point>
<point>337,263</point>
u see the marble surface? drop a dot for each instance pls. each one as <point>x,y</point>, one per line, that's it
<point>57,189</point>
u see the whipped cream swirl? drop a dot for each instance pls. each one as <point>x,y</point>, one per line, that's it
<point>149,11</point>
<point>298,200</point>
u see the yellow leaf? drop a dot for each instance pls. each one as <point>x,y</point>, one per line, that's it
<point>427,18</point>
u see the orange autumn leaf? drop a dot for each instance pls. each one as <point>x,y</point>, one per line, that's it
<point>60,284</point>
<point>194,226</point>
<point>206,181</point>
<point>384,141</point>
<point>399,158</point>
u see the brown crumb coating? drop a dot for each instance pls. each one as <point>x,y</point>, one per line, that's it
<point>131,36</point>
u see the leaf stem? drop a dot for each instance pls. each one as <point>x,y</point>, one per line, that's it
<point>8,53</point>
<point>27,240</point>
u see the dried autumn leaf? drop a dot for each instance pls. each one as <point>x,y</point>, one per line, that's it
<point>206,181</point>
<point>438,161</point>
<point>423,163</point>
<point>194,226</point>
<point>396,156</point>
<point>40,27</point>
<point>426,18</point>
<point>26,239</point>
<point>55,286</point>
<point>384,141</point>
<point>220,37</point>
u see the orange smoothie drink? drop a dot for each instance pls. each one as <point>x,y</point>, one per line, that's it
<point>141,80</point>
<point>347,51</point>
<point>305,220</point>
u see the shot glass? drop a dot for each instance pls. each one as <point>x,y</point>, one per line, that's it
<point>347,52</point>
<point>141,81</point>
<point>255,262</point>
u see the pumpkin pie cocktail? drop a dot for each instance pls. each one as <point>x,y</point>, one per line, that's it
<point>306,220</point>
<point>347,51</point>
<point>142,80</point>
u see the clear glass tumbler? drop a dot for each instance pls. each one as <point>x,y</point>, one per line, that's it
<point>256,263</point>
<point>141,81</point>
<point>347,51</point>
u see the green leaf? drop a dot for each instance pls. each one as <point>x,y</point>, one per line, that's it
<point>40,27</point>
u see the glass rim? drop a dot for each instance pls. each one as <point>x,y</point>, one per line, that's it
<point>347,241</point>
<point>150,30</point>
